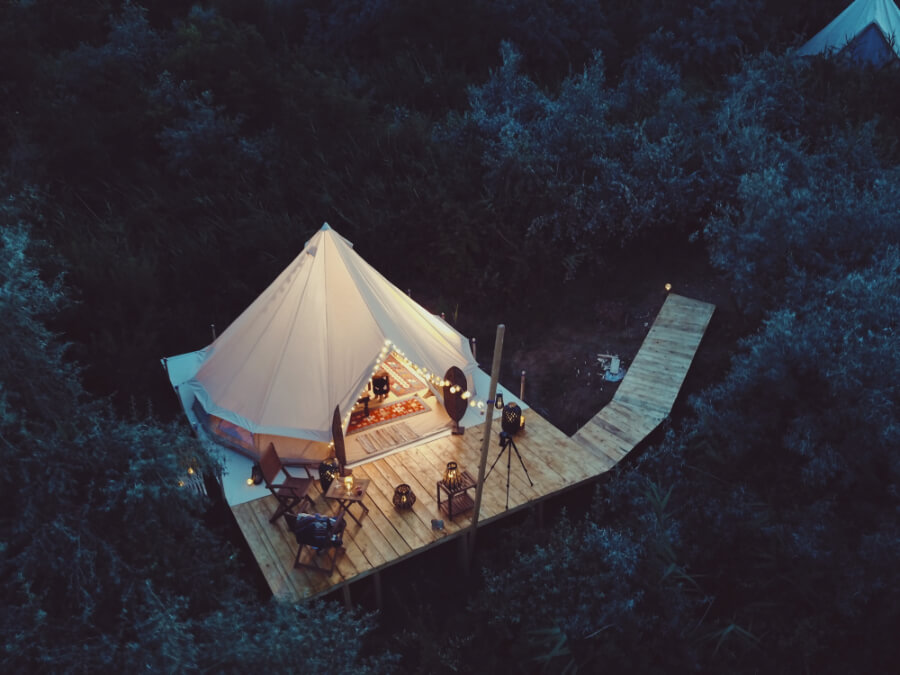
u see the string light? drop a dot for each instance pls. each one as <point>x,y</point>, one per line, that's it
<point>433,379</point>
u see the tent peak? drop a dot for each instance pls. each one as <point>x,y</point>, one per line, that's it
<point>326,230</point>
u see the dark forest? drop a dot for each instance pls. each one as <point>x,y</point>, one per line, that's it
<point>537,163</point>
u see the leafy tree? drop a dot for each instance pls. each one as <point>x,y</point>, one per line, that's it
<point>106,559</point>
<point>572,171</point>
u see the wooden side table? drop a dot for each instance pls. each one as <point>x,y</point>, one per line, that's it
<point>457,500</point>
<point>337,492</point>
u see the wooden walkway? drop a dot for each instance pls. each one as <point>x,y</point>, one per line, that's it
<point>646,394</point>
<point>555,463</point>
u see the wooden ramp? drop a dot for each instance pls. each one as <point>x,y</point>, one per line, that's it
<point>646,394</point>
<point>555,463</point>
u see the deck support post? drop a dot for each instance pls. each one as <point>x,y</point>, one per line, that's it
<point>463,551</point>
<point>348,600</point>
<point>379,598</point>
<point>486,443</point>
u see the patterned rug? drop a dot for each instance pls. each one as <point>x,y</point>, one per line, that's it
<point>402,380</point>
<point>379,440</point>
<point>413,405</point>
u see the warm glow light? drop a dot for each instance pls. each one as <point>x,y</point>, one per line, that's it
<point>181,483</point>
<point>348,483</point>
<point>668,287</point>
<point>190,471</point>
<point>249,481</point>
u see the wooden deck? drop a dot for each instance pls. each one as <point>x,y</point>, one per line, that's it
<point>555,463</point>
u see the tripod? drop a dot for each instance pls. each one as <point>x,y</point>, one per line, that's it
<point>506,441</point>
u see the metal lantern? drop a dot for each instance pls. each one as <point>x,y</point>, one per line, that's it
<point>256,475</point>
<point>512,418</point>
<point>328,471</point>
<point>404,497</point>
<point>381,384</point>
<point>498,403</point>
<point>452,477</point>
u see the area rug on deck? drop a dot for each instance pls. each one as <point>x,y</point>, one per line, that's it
<point>413,405</point>
<point>402,381</point>
<point>379,440</point>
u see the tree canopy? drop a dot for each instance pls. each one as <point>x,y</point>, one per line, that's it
<point>163,160</point>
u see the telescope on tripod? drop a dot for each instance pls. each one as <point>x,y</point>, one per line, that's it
<point>511,422</point>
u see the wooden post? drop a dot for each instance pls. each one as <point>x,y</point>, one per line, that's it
<point>473,343</point>
<point>376,579</point>
<point>348,601</point>
<point>212,327</point>
<point>522,388</point>
<point>463,551</point>
<point>486,442</point>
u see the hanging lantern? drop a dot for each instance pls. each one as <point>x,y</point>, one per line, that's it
<point>512,418</point>
<point>452,478</point>
<point>498,403</point>
<point>328,471</point>
<point>404,498</point>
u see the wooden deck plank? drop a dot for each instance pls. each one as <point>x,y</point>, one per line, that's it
<point>555,462</point>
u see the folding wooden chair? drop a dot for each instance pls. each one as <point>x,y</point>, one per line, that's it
<point>291,491</point>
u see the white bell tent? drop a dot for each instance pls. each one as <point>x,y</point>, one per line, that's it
<point>309,343</point>
<point>867,32</point>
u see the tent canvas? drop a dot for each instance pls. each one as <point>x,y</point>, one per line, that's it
<point>866,31</point>
<point>308,344</point>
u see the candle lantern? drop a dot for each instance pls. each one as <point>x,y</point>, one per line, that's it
<point>498,403</point>
<point>328,471</point>
<point>512,418</point>
<point>404,497</point>
<point>452,478</point>
<point>256,475</point>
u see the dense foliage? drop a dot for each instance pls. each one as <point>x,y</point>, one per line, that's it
<point>163,160</point>
<point>107,560</point>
